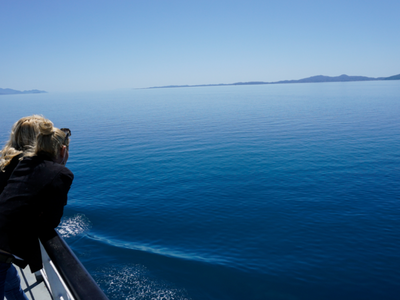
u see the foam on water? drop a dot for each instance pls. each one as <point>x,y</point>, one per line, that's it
<point>73,226</point>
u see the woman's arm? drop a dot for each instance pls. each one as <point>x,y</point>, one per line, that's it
<point>55,198</point>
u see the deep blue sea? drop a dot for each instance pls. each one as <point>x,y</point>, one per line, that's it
<point>281,192</point>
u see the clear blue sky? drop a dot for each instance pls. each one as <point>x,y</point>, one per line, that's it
<point>84,45</point>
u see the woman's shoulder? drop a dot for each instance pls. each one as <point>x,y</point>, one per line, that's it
<point>12,163</point>
<point>6,173</point>
<point>46,168</point>
<point>53,174</point>
<point>57,168</point>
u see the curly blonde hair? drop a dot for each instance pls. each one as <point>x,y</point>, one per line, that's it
<point>22,139</point>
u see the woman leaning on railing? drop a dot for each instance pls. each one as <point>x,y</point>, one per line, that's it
<point>33,200</point>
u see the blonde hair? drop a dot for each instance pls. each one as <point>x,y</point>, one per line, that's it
<point>50,139</point>
<point>22,139</point>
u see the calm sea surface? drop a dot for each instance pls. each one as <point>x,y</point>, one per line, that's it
<point>244,192</point>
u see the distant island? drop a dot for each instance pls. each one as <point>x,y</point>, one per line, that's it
<point>313,79</point>
<point>12,92</point>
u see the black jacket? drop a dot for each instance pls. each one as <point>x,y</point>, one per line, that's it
<point>8,171</point>
<point>31,206</point>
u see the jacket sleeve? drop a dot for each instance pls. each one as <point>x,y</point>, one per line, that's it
<point>55,199</point>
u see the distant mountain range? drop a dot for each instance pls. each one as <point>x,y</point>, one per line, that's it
<point>11,92</point>
<point>313,79</point>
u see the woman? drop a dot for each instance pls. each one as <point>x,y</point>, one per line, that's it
<point>32,202</point>
<point>22,139</point>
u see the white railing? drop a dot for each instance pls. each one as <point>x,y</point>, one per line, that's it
<point>65,275</point>
<point>53,279</point>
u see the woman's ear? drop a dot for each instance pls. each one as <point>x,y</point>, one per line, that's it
<point>63,149</point>
<point>62,154</point>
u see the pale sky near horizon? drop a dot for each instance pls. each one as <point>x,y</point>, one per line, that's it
<point>86,45</point>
